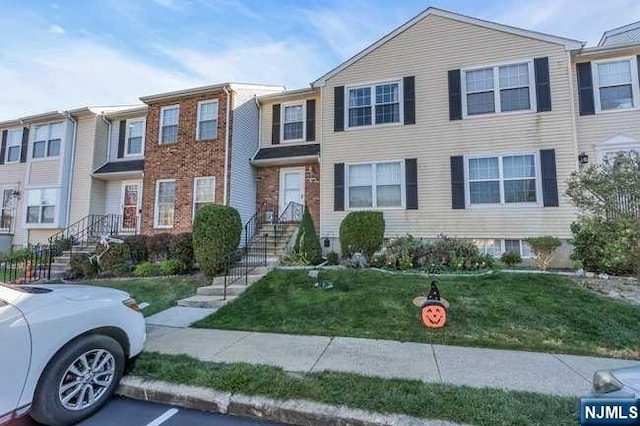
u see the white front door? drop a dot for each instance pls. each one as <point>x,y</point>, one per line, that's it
<point>291,190</point>
<point>130,205</point>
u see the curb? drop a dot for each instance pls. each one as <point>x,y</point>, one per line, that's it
<point>298,412</point>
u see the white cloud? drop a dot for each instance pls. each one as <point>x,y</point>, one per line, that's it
<point>169,4</point>
<point>56,29</point>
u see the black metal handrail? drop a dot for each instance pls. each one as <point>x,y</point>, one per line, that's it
<point>291,214</point>
<point>257,221</point>
<point>27,266</point>
<point>237,264</point>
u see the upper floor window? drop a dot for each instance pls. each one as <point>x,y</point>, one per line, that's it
<point>375,185</point>
<point>135,137</point>
<point>14,145</point>
<point>502,179</point>
<point>41,205</point>
<point>204,192</point>
<point>169,119</point>
<point>46,140</point>
<point>293,122</point>
<point>207,127</point>
<point>373,104</point>
<point>616,83</point>
<point>498,89</point>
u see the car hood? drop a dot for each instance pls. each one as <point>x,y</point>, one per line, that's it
<point>629,376</point>
<point>29,298</point>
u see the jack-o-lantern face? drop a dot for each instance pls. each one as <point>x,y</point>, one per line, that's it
<point>434,314</point>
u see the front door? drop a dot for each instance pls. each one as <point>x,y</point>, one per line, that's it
<point>291,190</point>
<point>131,199</point>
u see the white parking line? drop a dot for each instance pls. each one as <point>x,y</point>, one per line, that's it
<point>163,418</point>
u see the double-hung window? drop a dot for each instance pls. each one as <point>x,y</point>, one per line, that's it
<point>7,210</point>
<point>169,119</point>
<point>164,205</point>
<point>504,179</point>
<point>373,104</point>
<point>135,137</point>
<point>518,246</point>
<point>207,127</point>
<point>46,140</point>
<point>498,89</point>
<point>41,205</point>
<point>293,122</point>
<point>14,145</point>
<point>204,192</point>
<point>616,84</point>
<point>375,185</point>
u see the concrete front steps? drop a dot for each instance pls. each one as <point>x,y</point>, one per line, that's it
<point>62,264</point>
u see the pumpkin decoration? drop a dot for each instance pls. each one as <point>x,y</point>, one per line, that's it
<point>433,308</point>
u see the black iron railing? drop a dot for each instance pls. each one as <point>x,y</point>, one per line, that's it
<point>291,214</point>
<point>237,265</point>
<point>27,265</point>
<point>264,215</point>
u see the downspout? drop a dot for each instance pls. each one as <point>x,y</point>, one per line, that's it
<point>574,126</point>
<point>73,160</point>
<point>255,99</point>
<point>226,148</point>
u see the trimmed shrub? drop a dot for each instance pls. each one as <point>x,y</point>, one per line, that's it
<point>137,247</point>
<point>158,246</point>
<point>333,258</point>
<point>182,250</point>
<point>544,249</point>
<point>117,254</point>
<point>171,267</point>
<point>216,234</point>
<point>511,258</point>
<point>82,267</point>
<point>146,269</point>
<point>307,246</point>
<point>362,232</point>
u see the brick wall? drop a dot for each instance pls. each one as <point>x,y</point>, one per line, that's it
<point>268,188</point>
<point>182,161</point>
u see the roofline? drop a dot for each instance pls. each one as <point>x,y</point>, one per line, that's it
<point>55,115</point>
<point>288,93</point>
<point>126,112</point>
<point>284,160</point>
<point>568,43</point>
<point>202,90</point>
<point>622,29</point>
<point>607,49</point>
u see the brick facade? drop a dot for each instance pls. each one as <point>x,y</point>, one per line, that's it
<point>268,187</point>
<point>182,161</point>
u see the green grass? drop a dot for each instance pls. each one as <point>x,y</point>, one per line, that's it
<point>491,407</point>
<point>161,293</point>
<point>513,311</point>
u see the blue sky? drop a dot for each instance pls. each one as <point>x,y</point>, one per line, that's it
<point>62,54</point>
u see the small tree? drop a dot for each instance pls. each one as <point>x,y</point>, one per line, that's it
<point>307,246</point>
<point>362,232</point>
<point>216,234</point>
<point>544,249</point>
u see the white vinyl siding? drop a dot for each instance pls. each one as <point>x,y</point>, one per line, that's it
<point>616,84</point>
<point>204,192</point>
<point>498,89</point>
<point>14,146</point>
<point>502,179</point>
<point>375,185</point>
<point>134,137</point>
<point>41,205</point>
<point>373,104</point>
<point>46,140</point>
<point>164,207</point>
<point>169,122</point>
<point>207,127</point>
<point>293,129</point>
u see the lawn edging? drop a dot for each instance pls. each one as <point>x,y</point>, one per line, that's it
<point>299,412</point>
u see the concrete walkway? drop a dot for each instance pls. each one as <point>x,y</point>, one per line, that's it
<point>515,370</point>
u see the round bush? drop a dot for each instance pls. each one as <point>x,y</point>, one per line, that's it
<point>146,269</point>
<point>333,258</point>
<point>171,267</point>
<point>117,254</point>
<point>216,234</point>
<point>182,250</point>
<point>362,232</point>
<point>511,258</point>
<point>81,267</point>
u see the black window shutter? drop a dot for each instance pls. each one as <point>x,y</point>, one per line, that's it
<point>455,95</point>
<point>3,147</point>
<point>121,137</point>
<point>585,89</point>
<point>338,109</point>
<point>409,92</point>
<point>549,179</point>
<point>457,182</point>
<point>411,182</point>
<point>25,145</point>
<point>275,125</point>
<point>543,84</point>
<point>338,187</point>
<point>311,120</point>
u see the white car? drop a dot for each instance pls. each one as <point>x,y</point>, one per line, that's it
<point>63,349</point>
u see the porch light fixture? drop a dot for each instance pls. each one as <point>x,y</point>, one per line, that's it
<point>583,158</point>
<point>327,242</point>
<point>15,193</point>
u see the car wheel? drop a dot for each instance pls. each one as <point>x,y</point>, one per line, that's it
<point>78,380</point>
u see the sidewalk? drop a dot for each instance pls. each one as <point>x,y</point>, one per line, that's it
<point>567,375</point>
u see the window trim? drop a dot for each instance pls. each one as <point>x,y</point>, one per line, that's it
<point>635,84</point>
<point>217,102</point>
<point>56,208</point>
<point>503,245</point>
<point>162,111</point>
<point>156,211</point>
<point>533,107</point>
<point>193,200</point>
<point>14,209</point>
<point>6,158</point>
<point>374,196</point>
<point>283,107</point>
<point>372,85</point>
<point>502,203</point>
<point>126,140</point>
<point>32,141</point>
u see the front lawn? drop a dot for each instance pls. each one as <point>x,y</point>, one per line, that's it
<point>513,311</point>
<point>490,407</point>
<point>161,293</point>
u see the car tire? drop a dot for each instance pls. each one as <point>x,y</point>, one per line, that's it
<point>72,370</point>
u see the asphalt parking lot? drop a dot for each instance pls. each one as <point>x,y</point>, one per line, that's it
<point>122,411</point>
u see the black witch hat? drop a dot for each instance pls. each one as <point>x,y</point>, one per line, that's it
<point>434,293</point>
